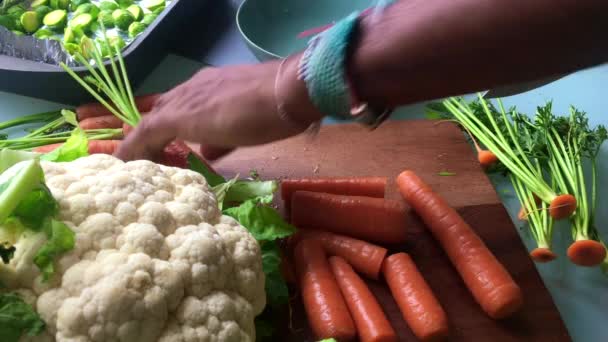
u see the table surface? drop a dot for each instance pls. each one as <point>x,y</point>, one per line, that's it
<point>580,294</point>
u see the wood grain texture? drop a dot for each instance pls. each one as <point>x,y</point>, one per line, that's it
<point>426,148</point>
<point>351,150</point>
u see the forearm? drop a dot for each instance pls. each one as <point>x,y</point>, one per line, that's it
<point>426,49</point>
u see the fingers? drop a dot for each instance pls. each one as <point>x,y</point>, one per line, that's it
<point>148,139</point>
<point>214,152</point>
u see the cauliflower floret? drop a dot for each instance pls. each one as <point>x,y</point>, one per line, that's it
<point>154,258</point>
<point>220,316</point>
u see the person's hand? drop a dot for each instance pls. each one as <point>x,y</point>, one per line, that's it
<point>223,108</point>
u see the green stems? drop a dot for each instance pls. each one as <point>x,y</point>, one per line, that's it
<point>27,119</point>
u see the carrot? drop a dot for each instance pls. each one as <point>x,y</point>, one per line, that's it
<point>99,122</point>
<point>370,321</point>
<point>523,215</point>
<point>144,104</point>
<point>371,219</point>
<point>562,206</point>
<point>364,257</point>
<point>415,299</point>
<point>586,253</point>
<point>484,275</point>
<point>47,148</point>
<point>361,186</point>
<point>95,147</point>
<point>542,255</point>
<point>325,308</point>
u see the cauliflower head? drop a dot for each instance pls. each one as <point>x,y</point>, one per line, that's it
<point>154,259</point>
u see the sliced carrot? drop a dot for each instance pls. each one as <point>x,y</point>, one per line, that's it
<point>370,321</point>
<point>144,104</point>
<point>95,147</point>
<point>416,301</point>
<point>99,122</point>
<point>562,206</point>
<point>586,253</point>
<point>486,278</point>
<point>542,255</point>
<point>371,219</point>
<point>327,313</point>
<point>364,257</point>
<point>358,186</point>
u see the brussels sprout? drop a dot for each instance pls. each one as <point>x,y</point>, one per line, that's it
<point>136,28</point>
<point>108,47</point>
<point>15,12</point>
<point>81,22</point>
<point>149,18</point>
<point>137,12</point>
<point>69,36</point>
<point>77,3</point>
<point>105,18</point>
<point>71,48</point>
<point>37,3</point>
<point>88,8</point>
<point>7,22</point>
<point>44,33</point>
<point>18,33</point>
<point>108,6</point>
<point>124,3</point>
<point>30,21</point>
<point>122,19</point>
<point>56,19</point>
<point>153,5</point>
<point>42,11</point>
<point>60,4</point>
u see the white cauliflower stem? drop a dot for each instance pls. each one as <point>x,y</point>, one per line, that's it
<point>154,259</point>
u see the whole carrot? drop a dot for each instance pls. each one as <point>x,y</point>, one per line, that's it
<point>484,275</point>
<point>364,257</point>
<point>325,308</point>
<point>417,303</point>
<point>144,104</point>
<point>99,122</point>
<point>354,186</point>
<point>371,219</point>
<point>371,322</point>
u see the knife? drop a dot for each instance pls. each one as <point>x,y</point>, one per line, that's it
<point>514,89</point>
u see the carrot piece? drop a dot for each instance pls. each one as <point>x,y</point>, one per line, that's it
<point>364,257</point>
<point>47,148</point>
<point>586,253</point>
<point>326,310</point>
<point>370,321</point>
<point>542,255</point>
<point>144,104</point>
<point>486,158</point>
<point>486,278</point>
<point>415,298</point>
<point>99,122</point>
<point>371,219</point>
<point>361,186</point>
<point>562,206</point>
<point>95,147</point>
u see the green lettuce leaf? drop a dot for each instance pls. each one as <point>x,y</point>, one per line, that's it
<point>61,240</point>
<point>196,165</point>
<point>17,318</point>
<point>243,190</point>
<point>276,287</point>
<point>36,207</point>
<point>75,147</point>
<point>262,221</point>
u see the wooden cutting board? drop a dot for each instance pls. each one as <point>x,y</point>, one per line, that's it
<point>427,148</point>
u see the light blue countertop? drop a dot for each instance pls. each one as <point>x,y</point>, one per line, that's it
<point>580,294</point>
